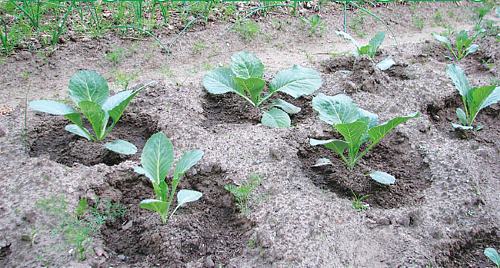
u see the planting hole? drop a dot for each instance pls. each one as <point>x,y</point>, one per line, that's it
<point>207,231</point>
<point>393,155</point>
<point>442,114</point>
<point>466,249</point>
<point>48,136</point>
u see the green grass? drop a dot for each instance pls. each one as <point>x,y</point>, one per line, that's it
<point>78,226</point>
<point>198,47</point>
<point>356,25</point>
<point>243,192</point>
<point>418,22</point>
<point>115,56</point>
<point>358,203</point>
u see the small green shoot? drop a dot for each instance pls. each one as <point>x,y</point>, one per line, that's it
<point>474,99</point>
<point>247,29</point>
<point>245,78</point>
<point>115,56</point>
<point>359,128</point>
<point>315,25</point>
<point>464,43</point>
<point>358,202</point>
<point>156,161</point>
<point>369,50</point>
<point>493,255</point>
<point>242,193</point>
<point>90,93</point>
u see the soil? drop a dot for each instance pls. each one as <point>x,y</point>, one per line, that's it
<point>442,211</point>
<point>208,232</point>
<point>408,167</point>
<point>48,136</point>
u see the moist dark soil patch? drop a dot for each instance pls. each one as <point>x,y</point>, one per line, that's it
<point>48,136</point>
<point>232,109</point>
<point>442,114</point>
<point>209,231</point>
<point>466,249</point>
<point>363,75</point>
<point>394,155</point>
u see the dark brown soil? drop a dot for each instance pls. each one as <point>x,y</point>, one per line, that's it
<point>48,136</point>
<point>232,109</point>
<point>466,249</point>
<point>442,114</point>
<point>363,75</point>
<point>394,155</point>
<point>208,231</point>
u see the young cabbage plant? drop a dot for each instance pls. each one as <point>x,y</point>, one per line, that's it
<point>156,161</point>
<point>359,128</point>
<point>493,255</point>
<point>90,93</point>
<point>474,99</point>
<point>464,44</point>
<point>244,77</point>
<point>370,49</point>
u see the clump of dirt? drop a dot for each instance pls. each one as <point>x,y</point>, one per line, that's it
<point>48,136</point>
<point>466,249</point>
<point>394,155</point>
<point>363,74</point>
<point>209,231</point>
<point>443,112</point>
<point>233,109</point>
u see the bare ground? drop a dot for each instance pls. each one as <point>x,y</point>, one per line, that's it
<point>300,217</point>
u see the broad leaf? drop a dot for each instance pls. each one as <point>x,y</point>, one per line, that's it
<point>472,49</point>
<point>219,81</point>
<point>322,162</point>
<point>246,65</point>
<point>372,118</point>
<point>335,109</point>
<point>348,37</point>
<point>121,147</point>
<point>97,117</point>
<point>386,64</point>
<point>338,146</point>
<point>377,133</point>
<point>51,107</point>
<point>116,99</point>
<point>459,79</point>
<point>464,127</point>
<point>117,104</point>
<point>157,157</point>
<point>140,170</point>
<point>365,50</point>
<point>461,116</point>
<point>77,130</point>
<point>353,134</point>
<point>252,86</point>
<point>296,81</point>
<point>493,255</point>
<point>442,39</point>
<point>88,86</point>
<point>482,97</point>
<point>154,205</point>
<point>285,106</point>
<point>382,177</point>
<point>186,196</point>
<point>188,160</point>
<point>376,42</point>
<point>276,118</point>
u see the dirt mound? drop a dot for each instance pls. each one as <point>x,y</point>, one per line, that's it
<point>48,136</point>
<point>393,155</point>
<point>209,231</point>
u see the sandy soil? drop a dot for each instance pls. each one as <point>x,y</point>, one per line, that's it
<point>444,213</point>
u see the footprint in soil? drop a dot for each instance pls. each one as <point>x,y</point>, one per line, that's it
<point>442,114</point>
<point>232,109</point>
<point>48,136</point>
<point>393,155</point>
<point>209,231</point>
<point>466,249</point>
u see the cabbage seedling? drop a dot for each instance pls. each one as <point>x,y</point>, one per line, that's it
<point>492,254</point>
<point>244,77</point>
<point>474,99</point>
<point>90,93</point>
<point>464,44</point>
<point>370,49</point>
<point>156,161</point>
<point>360,129</point>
